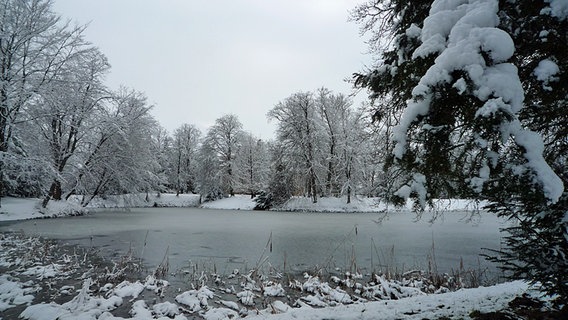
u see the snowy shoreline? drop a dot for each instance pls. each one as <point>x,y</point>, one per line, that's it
<point>29,208</point>
<point>42,281</point>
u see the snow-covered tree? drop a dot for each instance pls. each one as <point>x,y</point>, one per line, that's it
<point>113,151</point>
<point>461,73</point>
<point>540,33</point>
<point>223,137</point>
<point>332,110</point>
<point>280,187</point>
<point>344,144</point>
<point>35,47</point>
<point>185,146</point>
<point>298,133</point>
<point>324,143</point>
<point>209,173</point>
<point>120,158</point>
<point>252,165</point>
<point>63,113</point>
<point>354,149</point>
<point>161,146</point>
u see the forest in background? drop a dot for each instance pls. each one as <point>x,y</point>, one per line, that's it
<point>64,132</point>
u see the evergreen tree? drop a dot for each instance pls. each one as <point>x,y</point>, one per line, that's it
<point>394,26</point>
<point>537,245</point>
<point>481,99</point>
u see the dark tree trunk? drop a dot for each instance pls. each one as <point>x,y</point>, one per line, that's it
<point>54,193</point>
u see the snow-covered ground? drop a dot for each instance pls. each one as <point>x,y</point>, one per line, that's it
<point>29,208</point>
<point>237,202</point>
<point>358,204</point>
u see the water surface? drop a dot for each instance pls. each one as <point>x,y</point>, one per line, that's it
<point>295,241</point>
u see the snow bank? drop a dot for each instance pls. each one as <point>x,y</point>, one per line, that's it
<point>30,208</point>
<point>454,305</point>
<point>331,204</point>
<point>375,205</point>
<point>195,300</point>
<point>143,200</point>
<point>237,202</point>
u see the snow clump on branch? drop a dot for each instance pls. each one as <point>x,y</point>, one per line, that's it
<point>465,37</point>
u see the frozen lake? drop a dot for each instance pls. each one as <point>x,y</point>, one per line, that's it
<point>299,241</point>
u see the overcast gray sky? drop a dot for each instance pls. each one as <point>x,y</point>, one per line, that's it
<point>197,60</point>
